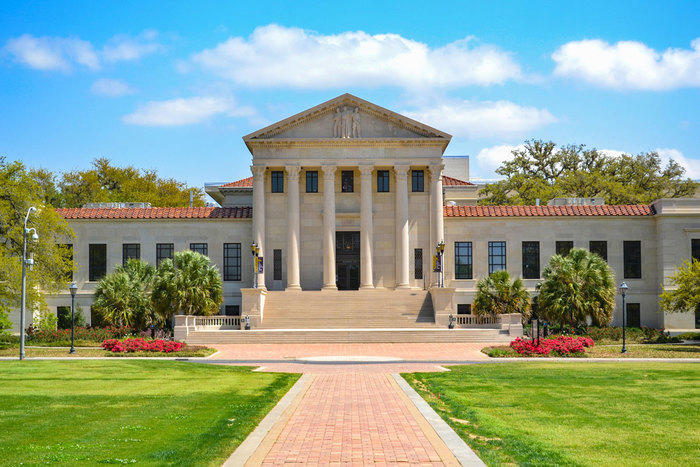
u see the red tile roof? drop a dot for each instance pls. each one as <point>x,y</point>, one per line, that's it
<point>238,212</point>
<point>451,181</point>
<point>248,182</point>
<point>546,211</point>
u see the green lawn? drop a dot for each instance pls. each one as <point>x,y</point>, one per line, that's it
<point>612,351</point>
<point>113,412</point>
<point>190,351</point>
<point>578,413</point>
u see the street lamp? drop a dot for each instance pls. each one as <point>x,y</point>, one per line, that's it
<point>255,251</point>
<point>25,262</point>
<point>73,289</point>
<point>623,291</point>
<point>440,250</point>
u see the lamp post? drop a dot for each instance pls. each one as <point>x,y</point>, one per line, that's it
<point>623,291</point>
<point>25,262</point>
<point>440,250</point>
<point>73,289</point>
<point>255,251</point>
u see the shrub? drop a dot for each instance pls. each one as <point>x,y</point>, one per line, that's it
<point>142,345</point>
<point>689,336</point>
<point>63,314</point>
<point>642,335</point>
<point>563,346</point>
<point>45,321</point>
<point>81,333</point>
<point>497,294</point>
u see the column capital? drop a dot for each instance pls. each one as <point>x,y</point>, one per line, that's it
<point>436,169</point>
<point>401,170</point>
<point>328,171</point>
<point>292,172</point>
<point>366,169</point>
<point>258,170</point>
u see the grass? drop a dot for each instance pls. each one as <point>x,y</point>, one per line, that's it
<point>115,412</point>
<point>190,351</point>
<point>613,351</point>
<point>571,413</point>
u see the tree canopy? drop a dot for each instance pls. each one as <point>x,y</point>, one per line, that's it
<point>496,294</point>
<point>685,294</point>
<point>542,170</point>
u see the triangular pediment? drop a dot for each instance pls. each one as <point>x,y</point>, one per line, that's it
<point>347,117</point>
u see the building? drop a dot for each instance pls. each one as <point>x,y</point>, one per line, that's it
<point>349,196</point>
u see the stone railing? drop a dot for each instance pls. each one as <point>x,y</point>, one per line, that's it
<point>216,321</point>
<point>473,321</point>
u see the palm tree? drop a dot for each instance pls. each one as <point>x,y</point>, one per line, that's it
<point>187,284</point>
<point>576,288</point>
<point>123,297</point>
<point>496,294</point>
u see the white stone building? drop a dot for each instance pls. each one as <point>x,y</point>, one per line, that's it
<point>351,196</point>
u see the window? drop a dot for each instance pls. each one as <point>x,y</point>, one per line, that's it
<point>232,310</point>
<point>632,255</point>
<point>97,263</point>
<point>201,248</point>
<point>464,309</point>
<point>697,317</point>
<point>382,181</point>
<point>599,247</point>
<point>418,263</point>
<point>164,251</point>
<point>417,181</point>
<point>96,319</point>
<point>564,247</point>
<point>531,260</point>
<point>312,181</point>
<point>497,256</point>
<point>347,181</point>
<point>633,315</point>
<point>277,181</point>
<point>130,251</point>
<point>463,260</point>
<point>277,265</point>
<point>67,252</point>
<point>695,248</point>
<point>63,316</point>
<point>232,261</point>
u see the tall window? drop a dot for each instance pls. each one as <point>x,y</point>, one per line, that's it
<point>382,181</point>
<point>277,181</point>
<point>564,247</point>
<point>201,248</point>
<point>632,255</point>
<point>417,181</point>
<point>97,261</point>
<point>347,181</point>
<point>418,263</point>
<point>63,316</point>
<point>96,319</point>
<point>232,310</point>
<point>531,260</point>
<point>464,309</point>
<point>312,181</point>
<point>463,260</point>
<point>633,315</point>
<point>232,261</point>
<point>497,256</point>
<point>130,251</point>
<point>277,265</point>
<point>599,247</point>
<point>695,248</point>
<point>66,250</point>
<point>164,251</point>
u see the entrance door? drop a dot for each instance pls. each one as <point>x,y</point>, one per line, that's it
<point>347,260</point>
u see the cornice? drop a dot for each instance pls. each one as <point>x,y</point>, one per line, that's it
<point>345,142</point>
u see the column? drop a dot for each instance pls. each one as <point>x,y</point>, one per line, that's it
<point>366,228</point>
<point>293,227</point>
<point>437,231</point>
<point>259,214</point>
<point>329,227</point>
<point>401,226</point>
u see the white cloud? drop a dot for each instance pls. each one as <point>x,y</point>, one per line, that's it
<point>691,166</point>
<point>111,88</point>
<point>489,159</point>
<point>124,48</point>
<point>474,119</point>
<point>185,111</point>
<point>629,64</point>
<point>275,55</point>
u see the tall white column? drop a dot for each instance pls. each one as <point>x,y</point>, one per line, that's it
<point>329,227</point>
<point>437,233</point>
<point>259,214</point>
<point>293,228</point>
<point>366,228</point>
<point>401,226</point>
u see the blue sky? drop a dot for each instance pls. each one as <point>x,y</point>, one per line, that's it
<point>174,85</point>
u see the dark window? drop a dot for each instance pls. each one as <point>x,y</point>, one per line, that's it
<point>277,265</point>
<point>130,251</point>
<point>232,261</point>
<point>312,181</point>
<point>67,252</point>
<point>382,181</point>
<point>633,315</point>
<point>695,248</point>
<point>347,181</point>
<point>96,319</point>
<point>97,263</point>
<point>632,255</point>
<point>463,260</point>
<point>417,179</point>
<point>599,247</point>
<point>63,316</point>
<point>277,181</point>
<point>201,248</point>
<point>697,317</point>
<point>232,310</point>
<point>497,256</point>
<point>564,247</point>
<point>418,263</point>
<point>164,251</point>
<point>464,309</point>
<point>531,260</point>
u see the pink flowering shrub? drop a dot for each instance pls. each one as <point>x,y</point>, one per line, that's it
<point>558,345</point>
<point>142,345</point>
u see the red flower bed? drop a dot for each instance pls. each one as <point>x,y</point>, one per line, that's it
<point>559,345</point>
<point>142,345</point>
